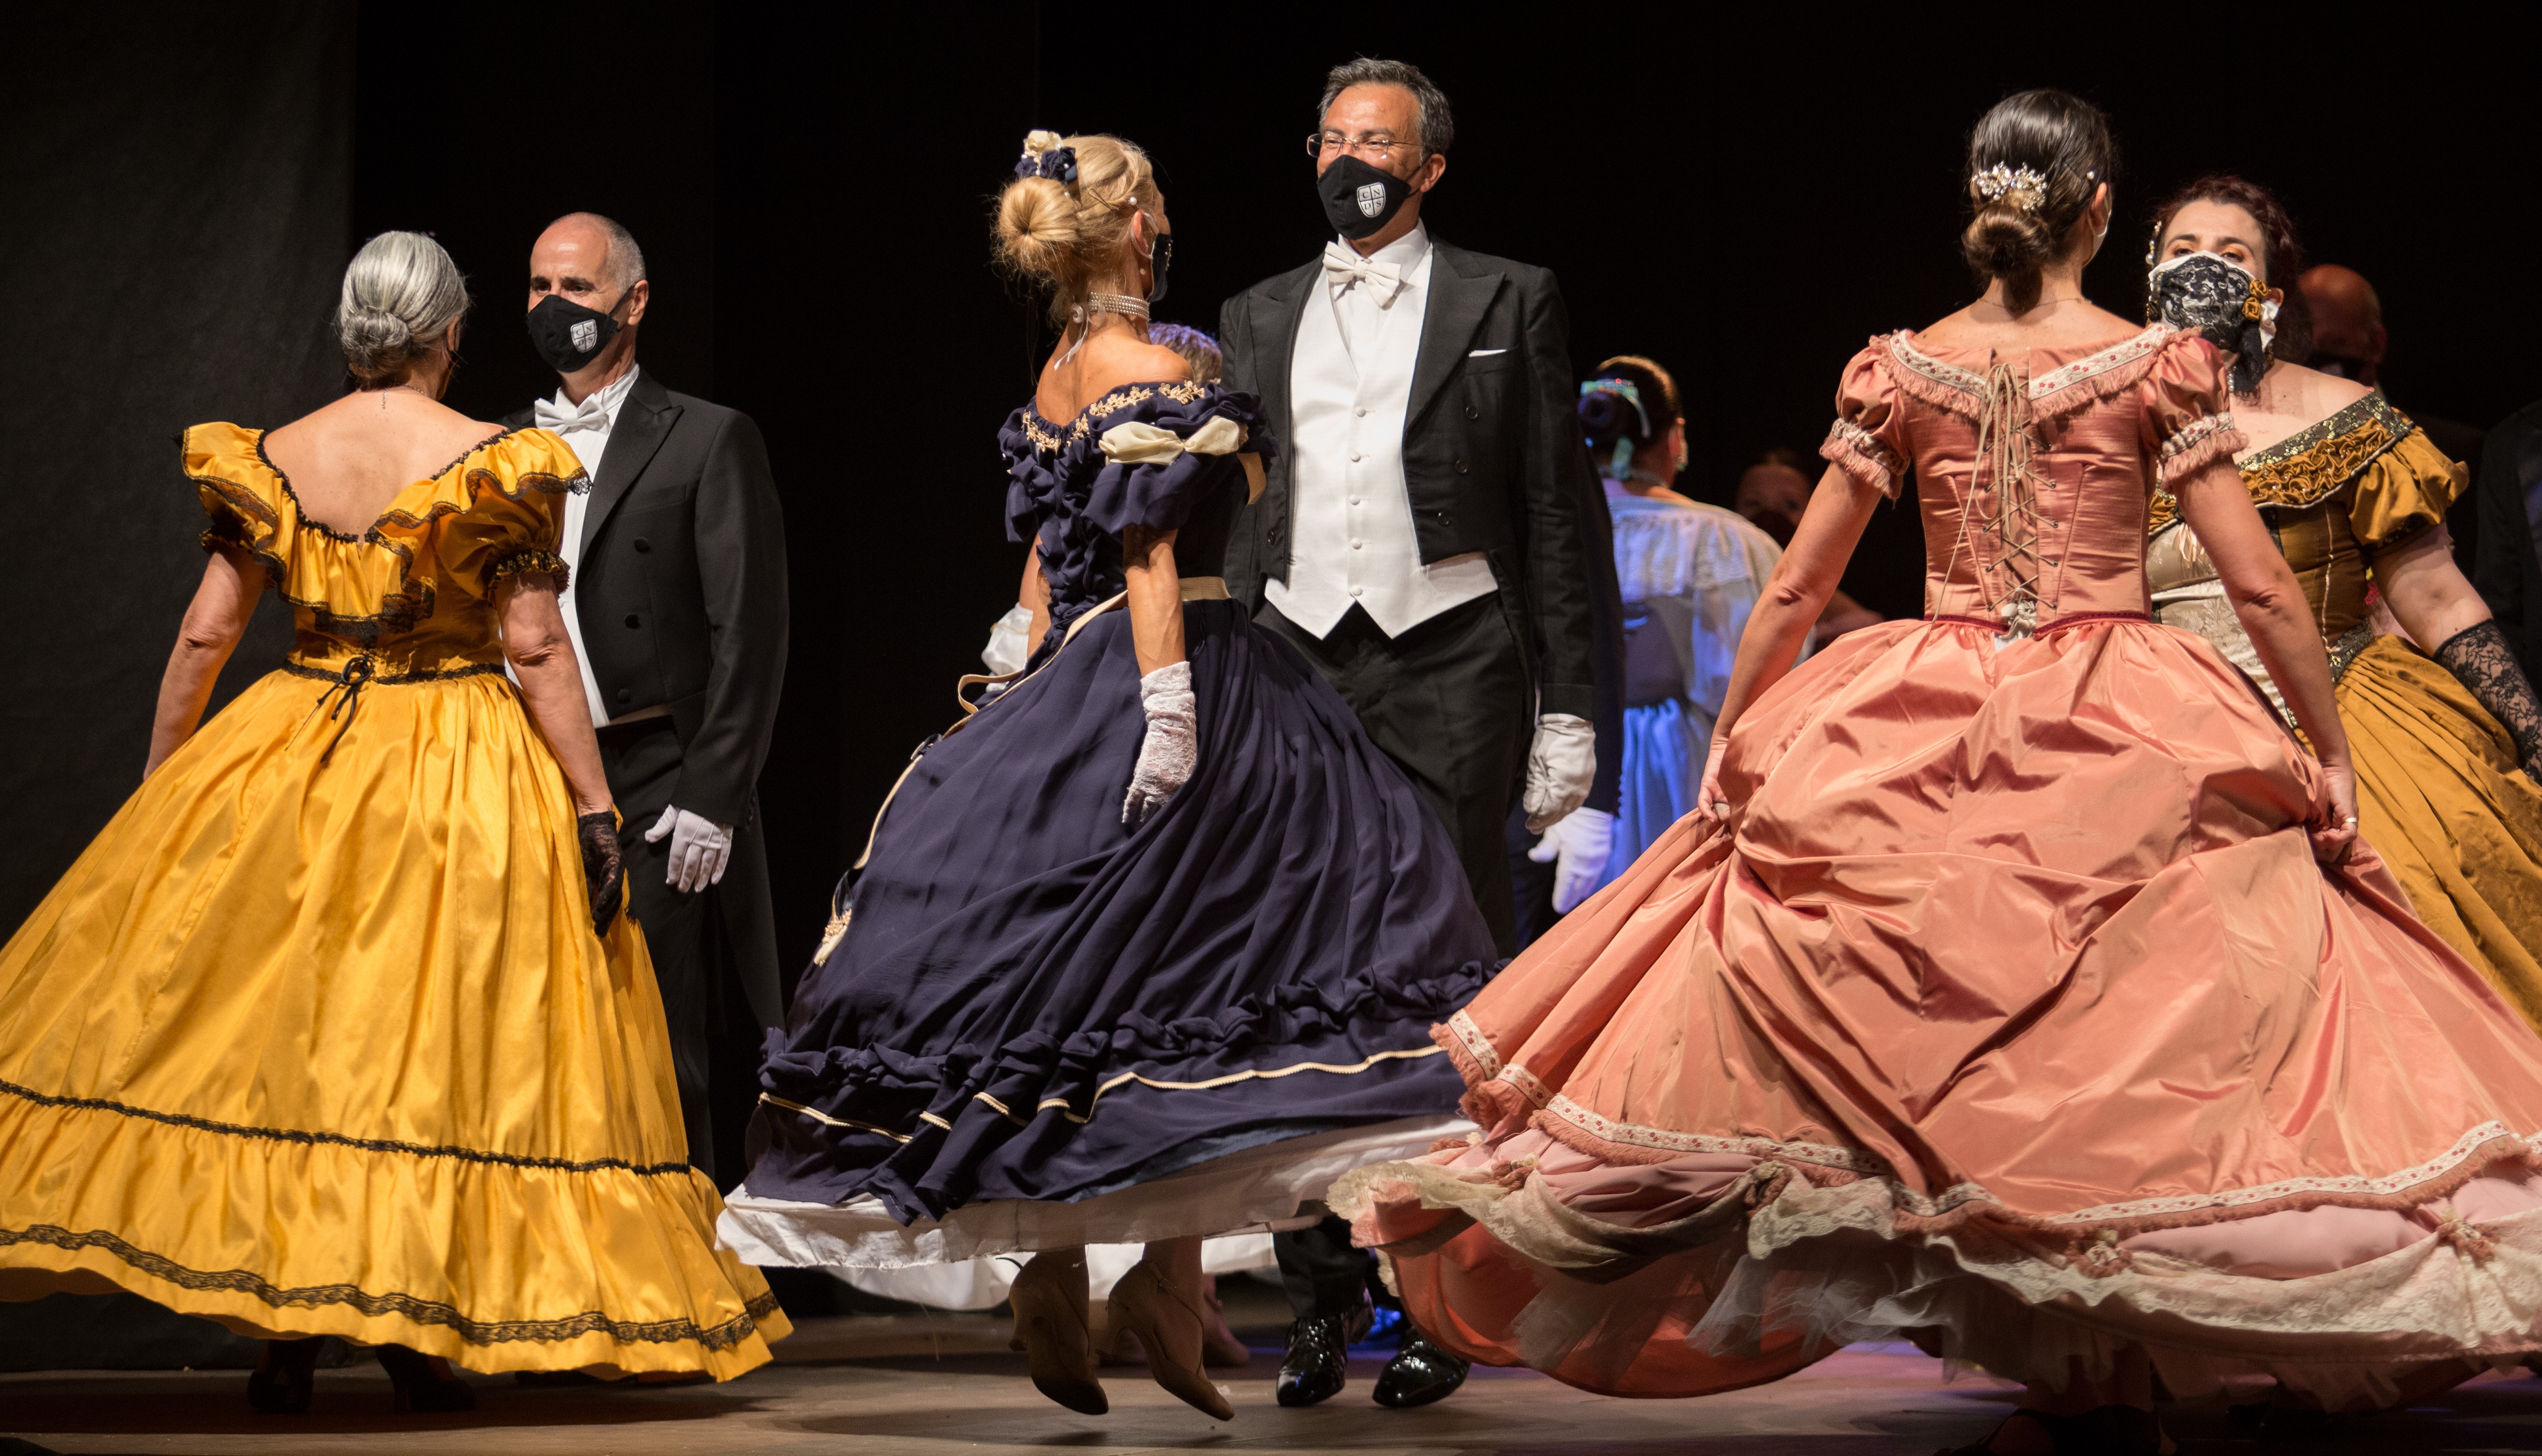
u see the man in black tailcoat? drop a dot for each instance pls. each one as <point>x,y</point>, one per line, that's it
<point>676,600</point>
<point>1419,542</point>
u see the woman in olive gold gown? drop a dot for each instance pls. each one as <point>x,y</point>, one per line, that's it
<point>317,1037</point>
<point>2446,730</point>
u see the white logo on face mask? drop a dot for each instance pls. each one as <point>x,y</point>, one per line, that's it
<point>1372,198</point>
<point>585,333</point>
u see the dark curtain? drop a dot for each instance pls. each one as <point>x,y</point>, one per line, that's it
<point>177,182</point>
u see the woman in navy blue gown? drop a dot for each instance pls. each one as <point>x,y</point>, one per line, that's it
<point>1148,948</point>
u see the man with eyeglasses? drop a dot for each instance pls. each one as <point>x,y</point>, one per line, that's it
<point>1419,542</point>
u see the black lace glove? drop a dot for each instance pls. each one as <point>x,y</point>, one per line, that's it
<point>2480,657</point>
<point>604,868</point>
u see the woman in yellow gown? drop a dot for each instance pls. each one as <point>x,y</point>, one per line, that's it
<point>2445,731</point>
<point>317,1037</point>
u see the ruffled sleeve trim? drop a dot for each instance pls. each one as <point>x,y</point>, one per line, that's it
<point>1864,455</point>
<point>515,465</point>
<point>1867,440</point>
<point>1937,383</point>
<point>2197,445</point>
<point>2405,490</point>
<point>531,561</point>
<point>241,495</point>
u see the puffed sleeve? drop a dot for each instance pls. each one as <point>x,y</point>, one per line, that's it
<point>506,513</point>
<point>1868,440</point>
<point>2404,491</point>
<point>223,463</point>
<point>1169,452</point>
<point>2187,422</point>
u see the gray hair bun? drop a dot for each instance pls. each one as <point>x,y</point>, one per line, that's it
<point>401,292</point>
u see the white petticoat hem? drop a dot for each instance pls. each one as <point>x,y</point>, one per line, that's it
<point>1261,1189</point>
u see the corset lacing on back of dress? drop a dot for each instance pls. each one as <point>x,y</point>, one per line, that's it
<point>2007,504</point>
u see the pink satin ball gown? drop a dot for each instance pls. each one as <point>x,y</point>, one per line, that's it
<point>2013,1013</point>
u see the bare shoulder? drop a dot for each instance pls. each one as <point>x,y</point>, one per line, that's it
<point>2324,395</point>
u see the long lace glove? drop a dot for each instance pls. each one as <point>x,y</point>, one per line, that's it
<point>604,868</point>
<point>1009,644</point>
<point>1576,845</point>
<point>1171,748</point>
<point>1561,763</point>
<point>2481,658</point>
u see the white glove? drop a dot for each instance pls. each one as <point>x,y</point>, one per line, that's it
<point>1576,845</point>
<point>699,847</point>
<point>1173,744</point>
<point>1559,766</point>
<point>1008,646</point>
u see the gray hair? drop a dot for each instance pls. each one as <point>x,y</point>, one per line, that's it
<point>1437,124</point>
<point>401,293</point>
<point>626,259</point>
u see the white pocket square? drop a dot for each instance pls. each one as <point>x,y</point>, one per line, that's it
<point>1485,353</point>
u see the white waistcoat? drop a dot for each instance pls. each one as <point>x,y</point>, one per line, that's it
<point>1351,515</point>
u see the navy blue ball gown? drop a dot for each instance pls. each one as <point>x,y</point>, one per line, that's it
<point>1041,1026</point>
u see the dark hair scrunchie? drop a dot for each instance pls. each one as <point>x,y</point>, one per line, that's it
<point>1059,163</point>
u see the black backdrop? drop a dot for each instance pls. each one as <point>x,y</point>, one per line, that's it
<point>813,192</point>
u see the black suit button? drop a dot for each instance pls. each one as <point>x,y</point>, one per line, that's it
<point>1461,467</point>
<point>634,620</point>
<point>626,696</point>
<point>1473,413</point>
<point>641,545</point>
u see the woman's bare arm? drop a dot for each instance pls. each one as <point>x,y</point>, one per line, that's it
<point>1798,592</point>
<point>1156,598</point>
<point>541,655</point>
<point>2426,591</point>
<point>2276,617</point>
<point>216,619</point>
<point>1034,595</point>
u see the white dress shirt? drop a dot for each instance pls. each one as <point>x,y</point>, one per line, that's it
<point>1350,384</point>
<point>585,428</point>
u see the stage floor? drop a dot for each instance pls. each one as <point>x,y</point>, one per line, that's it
<point>945,1384</point>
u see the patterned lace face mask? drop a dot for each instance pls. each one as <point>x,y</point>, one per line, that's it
<point>2220,300</point>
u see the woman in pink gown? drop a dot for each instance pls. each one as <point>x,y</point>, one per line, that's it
<point>2025,991</point>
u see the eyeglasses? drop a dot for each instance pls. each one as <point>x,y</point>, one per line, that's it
<point>1374,147</point>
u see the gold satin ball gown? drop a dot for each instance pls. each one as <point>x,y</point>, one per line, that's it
<point>2440,794</point>
<point>316,1038</point>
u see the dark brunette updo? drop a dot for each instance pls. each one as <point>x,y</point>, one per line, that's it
<point>1607,418</point>
<point>2065,141</point>
<point>2280,254</point>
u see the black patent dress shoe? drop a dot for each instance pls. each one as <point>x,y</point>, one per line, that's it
<point>1419,1373</point>
<point>1318,1354</point>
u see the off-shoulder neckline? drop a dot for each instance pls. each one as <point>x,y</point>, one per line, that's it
<point>331,533</point>
<point>2357,413</point>
<point>1907,348</point>
<point>1119,397</point>
<point>1915,340</point>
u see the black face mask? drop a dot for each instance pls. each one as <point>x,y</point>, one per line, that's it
<point>1162,259</point>
<point>1359,200</point>
<point>568,335</point>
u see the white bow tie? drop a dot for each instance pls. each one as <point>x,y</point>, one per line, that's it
<point>590,414</point>
<point>1344,266</point>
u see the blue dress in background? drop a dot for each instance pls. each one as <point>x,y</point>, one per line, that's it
<point>1033,1001</point>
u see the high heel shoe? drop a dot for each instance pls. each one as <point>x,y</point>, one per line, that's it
<point>1168,1325</point>
<point>423,1384</point>
<point>283,1376</point>
<point>1051,1328</point>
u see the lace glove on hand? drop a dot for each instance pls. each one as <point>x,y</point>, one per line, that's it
<point>700,849</point>
<point>2480,657</point>
<point>604,869</point>
<point>1559,766</point>
<point>1009,645</point>
<point>1576,845</point>
<point>1171,748</point>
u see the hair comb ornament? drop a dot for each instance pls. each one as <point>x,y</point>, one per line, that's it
<point>1045,157</point>
<point>1994,183</point>
<point>1620,464</point>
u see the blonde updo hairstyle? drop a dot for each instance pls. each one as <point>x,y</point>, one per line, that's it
<point>2065,142</point>
<point>401,293</point>
<point>1066,235</point>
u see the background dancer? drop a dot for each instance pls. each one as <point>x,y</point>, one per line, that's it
<point>2356,492</point>
<point>1418,543</point>
<point>1810,1071</point>
<point>678,614</point>
<point>1142,951</point>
